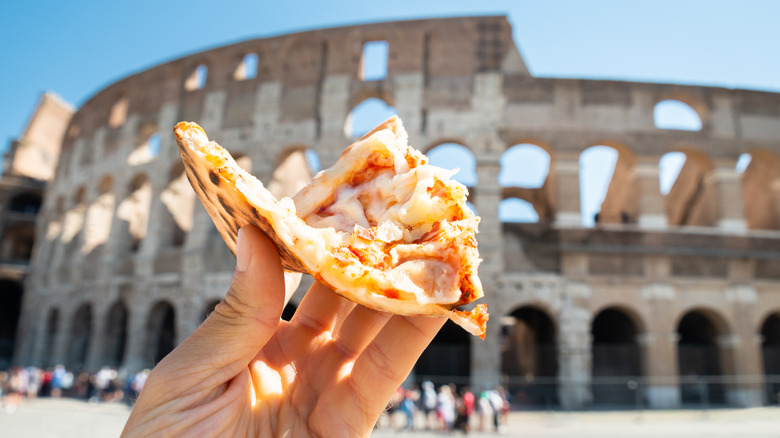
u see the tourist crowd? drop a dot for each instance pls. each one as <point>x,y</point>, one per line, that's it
<point>105,385</point>
<point>447,409</point>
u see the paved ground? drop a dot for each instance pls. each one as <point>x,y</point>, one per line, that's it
<point>49,418</point>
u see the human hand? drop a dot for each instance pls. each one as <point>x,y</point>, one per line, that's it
<point>330,371</point>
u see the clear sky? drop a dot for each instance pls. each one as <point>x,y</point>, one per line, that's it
<point>76,48</point>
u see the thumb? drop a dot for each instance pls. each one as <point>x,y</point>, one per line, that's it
<point>247,317</point>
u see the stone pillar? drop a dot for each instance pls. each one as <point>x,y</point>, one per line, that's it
<point>97,342</point>
<point>652,205</point>
<point>566,168</point>
<point>136,354</point>
<point>659,350</point>
<point>486,354</point>
<point>728,188</point>
<point>741,353</point>
<point>574,358</point>
<point>408,97</point>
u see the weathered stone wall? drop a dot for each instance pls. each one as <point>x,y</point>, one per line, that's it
<point>109,235</point>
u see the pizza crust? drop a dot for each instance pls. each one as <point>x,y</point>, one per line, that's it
<point>381,227</point>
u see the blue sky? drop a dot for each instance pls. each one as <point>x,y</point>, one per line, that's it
<point>76,48</point>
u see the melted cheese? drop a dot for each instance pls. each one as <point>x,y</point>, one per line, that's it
<point>399,208</point>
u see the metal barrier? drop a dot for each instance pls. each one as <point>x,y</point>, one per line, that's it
<point>629,392</point>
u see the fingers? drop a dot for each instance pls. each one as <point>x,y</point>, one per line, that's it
<point>248,315</point>
<point>322,310</point>
<point>381,367</point>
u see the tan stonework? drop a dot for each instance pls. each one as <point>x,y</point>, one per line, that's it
<point>118,227</point>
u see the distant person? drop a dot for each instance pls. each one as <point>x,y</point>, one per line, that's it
<point>329,372</point>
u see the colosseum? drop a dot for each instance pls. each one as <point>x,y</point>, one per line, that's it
<point>667,297</point>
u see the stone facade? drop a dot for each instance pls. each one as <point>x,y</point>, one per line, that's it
<point>665,288</point>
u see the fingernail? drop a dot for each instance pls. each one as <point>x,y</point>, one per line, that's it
<point>243,252</point>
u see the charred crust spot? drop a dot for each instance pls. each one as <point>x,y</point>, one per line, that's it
<point>214,177</point>
<point>226,206</point>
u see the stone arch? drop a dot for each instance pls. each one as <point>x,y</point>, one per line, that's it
<point>692,199</point>
<point>770,353</point>
<point>616,352</point>
<point>247,67</point>
<point>99,215</point>
<point>197,77</point>
<point>178,198</point>
<point>74,222</point>
<point>133,214</point>
<point>17,242</point>
<point>524,174</point>
<point>10,309</point>
<point>160,331</point>
<point>704,355</point>
<point>49,335</point>
<point>530,355</point>
<point>118,113</point>
<point>27,203</point>
<point>614,199</point>
<point>80,336</point>
<point>761,190</point>
<point>115,338</point>
<point>292,172</point>
<point>448,357</point>
<point>370,111</point>
<point>683,104</point>
<point>517,209</point>
<point>147,145</point>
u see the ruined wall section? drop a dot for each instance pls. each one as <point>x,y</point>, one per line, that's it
<point>456,80</point>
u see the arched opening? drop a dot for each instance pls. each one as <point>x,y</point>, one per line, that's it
<point>99,216</point>
<point>448,357</point>
<point>118,114</point>
<point>17,243</point>
<point>760,171</point>
<point>147,145</point>
<point>529,358</point>
<point>196,80</point>
<point>50,333</point>
<point>133,213</point>
<point>674,114</point>
<point>293,171</point>
<point>454,156</point>
<point>669,168</point>
<point>770,349</point>
<point>116,335</point>
<point>699,358</point>
<point>616,354</point>
<point>160,331</point>
<point>179,200</point>
<point>10,309</point>
<point>690,196</point>
<point>27,203</point>
<point>373,63</point>
<point>524,165</point>
<point>247,68</point>
<point>366,116</point>
<point>74,223</point>
<point>597,166</point>
<point>517,210</point>
<point>80,335</point>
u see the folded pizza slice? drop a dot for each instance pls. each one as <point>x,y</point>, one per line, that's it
<point>382,227</point>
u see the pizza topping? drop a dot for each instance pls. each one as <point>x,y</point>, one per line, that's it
<point>381,227</point>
